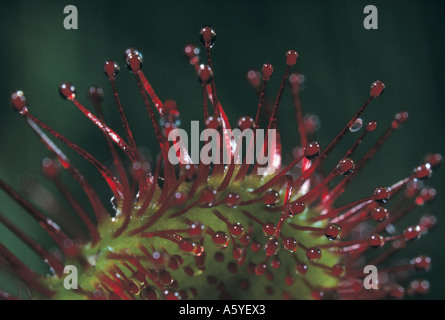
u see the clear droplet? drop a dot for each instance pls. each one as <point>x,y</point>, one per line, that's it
<point>356,126</point>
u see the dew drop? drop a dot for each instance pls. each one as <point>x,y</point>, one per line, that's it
<point>301,268</point>
<point>332,231</point>
<point>133,60</point>
<point>271,197</point>
<point>296,207</point>
<point>418,287</point>
<point>232,199</point>
<point>199,250</point>
<point>111,69</point>
<point>208,195</point>
<point>179,198</point>
<point>187,245</point>
<point>271,247</point>
<point>67,91</point>
<point>379,214</point>
<point>345,167</point>
<point>422,263</point>
<point>338,269</point>
<point>207,36</point>
<point>195,229</point>
<point>260,268</point>
<point>221,239</point>
<point>371,126</point>
<point>290,244</point>
<point>291,57</point>
<point>254,78</point>
<point>377,88</point>
<point>428,221</point>
<point>412,233</point>
<point>165,277</point>
<point>269,229</point>
<point>399,119</point>
<point>255,246</point>
<point>245,239</point>
<point>18,101</point>
<point>313,254</point>
<point>96,95</point>
<point>357,125</point>
<point>312,150</point>
<point>191,52</point>
<point>375,241</point>
<point>422,172</point>
<point>381,194</point>
<point>51,167</point>
<point>205,74</point>
<point>275,263</point>
<point>296,80</point>
<point>213,122</point>
<point>237,253</point>
<point>236,229</point>
<point>245,123</point>
<point>267,71</point>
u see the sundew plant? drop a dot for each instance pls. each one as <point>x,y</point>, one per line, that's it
<point>301,214</point>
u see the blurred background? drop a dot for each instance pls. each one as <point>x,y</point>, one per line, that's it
<point>338,57</point>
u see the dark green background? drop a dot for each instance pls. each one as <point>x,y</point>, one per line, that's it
<point>338,57</point>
